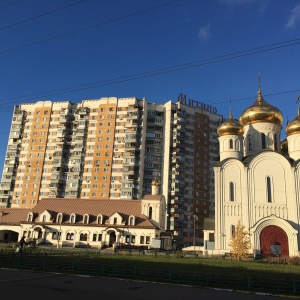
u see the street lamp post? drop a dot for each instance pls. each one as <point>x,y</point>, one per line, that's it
<point>59,234</point>
<point>194,239</point>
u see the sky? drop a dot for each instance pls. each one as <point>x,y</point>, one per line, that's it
<point>210,50</point>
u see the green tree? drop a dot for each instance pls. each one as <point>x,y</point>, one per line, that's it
<point>240,242</point>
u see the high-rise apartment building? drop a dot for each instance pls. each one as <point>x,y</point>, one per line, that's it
<point>113,148</point>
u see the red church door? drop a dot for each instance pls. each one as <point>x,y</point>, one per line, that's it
<point>274,240</point>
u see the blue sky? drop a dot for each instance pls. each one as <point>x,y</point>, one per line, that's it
<point>106,40</point>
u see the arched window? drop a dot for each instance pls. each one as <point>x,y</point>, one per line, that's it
<point>85,219</point>
<point>150,212</point>
<point>131,220</point>
<point>59,218</point>
<point>249,143</point>
<point>269,190</point>
<point>99,219</point>
<point>83,237</point>
<point>263,141</point>
<point>275,142</point>
<point>72,219</point>
<point>231,144</point>
<point>115,220</point>
<point>231,191</point>
<point>30,217</point>
<point>232,230</point>
<point>44,218</point>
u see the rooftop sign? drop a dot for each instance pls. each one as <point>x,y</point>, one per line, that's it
<point>193,103</point>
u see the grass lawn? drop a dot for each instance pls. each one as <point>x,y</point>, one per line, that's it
<point>203,265</point>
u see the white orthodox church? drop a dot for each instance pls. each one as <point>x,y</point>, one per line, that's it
<point>257,181</point>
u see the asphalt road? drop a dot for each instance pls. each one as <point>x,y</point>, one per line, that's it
<point>16,284</point>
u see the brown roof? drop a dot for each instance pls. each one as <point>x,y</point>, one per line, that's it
<point>13,215</point>
<point>80,207</point>
<point>153,197</point>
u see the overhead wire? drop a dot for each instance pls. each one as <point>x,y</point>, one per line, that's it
<point>152,73</point>
<point>41,15</point>
<point>88,27</point>
<point>10,4</point>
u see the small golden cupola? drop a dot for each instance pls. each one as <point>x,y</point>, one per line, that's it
<point>260,112</point>
<point>293,127</point>
<point>155,187</point>
<point>230,127</point>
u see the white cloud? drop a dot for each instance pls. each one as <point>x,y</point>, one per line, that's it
<point>294,17</point>
<point>204,32</point>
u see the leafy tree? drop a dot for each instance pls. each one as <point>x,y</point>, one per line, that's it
<point>240,242</point>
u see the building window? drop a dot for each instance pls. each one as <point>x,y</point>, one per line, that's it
<point>131,221</point>
<point>70,236</point>
<point>83,237</point>
<point>147,240</point>
<point>99,219</point>
<point>275,142</point>
<point>150,212</point>
<point>142,240</point>
<point>231,191</point>
<point>249,143</point>
<point>127,239</point>
<point>231,144</point>
<point>269,191</point>
<point>85,219</point>
<point>232,231</point>
<point>72,220</point>
<point>263,141</point>
<point>115,220</point>
<point>44,219</point>
<point>54,235</point>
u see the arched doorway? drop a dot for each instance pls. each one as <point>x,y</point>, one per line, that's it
<point>274,240</point>
<point>112,238</point>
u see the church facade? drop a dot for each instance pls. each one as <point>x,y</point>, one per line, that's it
<point>257,181</point>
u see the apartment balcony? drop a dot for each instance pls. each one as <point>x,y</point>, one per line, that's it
<point>129,155</point>
<point>176,210</point>
<point>5,187</point>
<point>132,116</point>
<point>130,145</point>
<point>131,125</point>
<point>129,180</point>
<point>176,200</point>
<point>82,111</point>
<point>71,189</point>
<point>17,120</point>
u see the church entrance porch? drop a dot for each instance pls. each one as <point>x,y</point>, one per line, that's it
<point>274,240</point>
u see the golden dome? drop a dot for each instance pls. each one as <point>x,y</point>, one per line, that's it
<point>261,111</point>
<point>155,182</point>
<point>293,127</point>
<point>230,127</point>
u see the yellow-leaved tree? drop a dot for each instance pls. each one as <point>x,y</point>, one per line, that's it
<point>240,242</point>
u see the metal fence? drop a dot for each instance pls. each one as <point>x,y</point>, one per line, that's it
<point>280,286</point>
